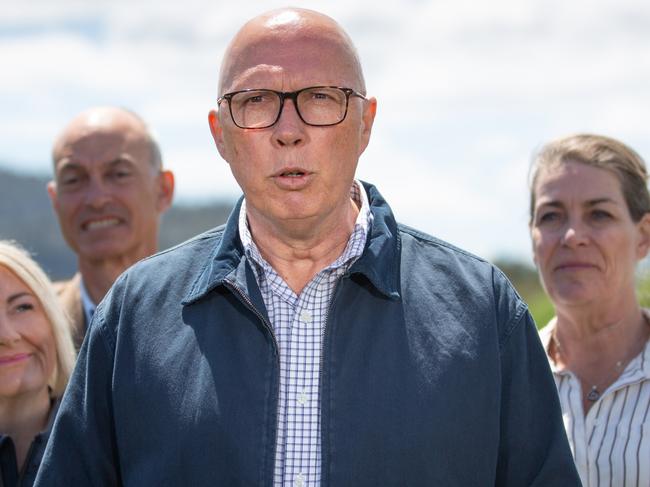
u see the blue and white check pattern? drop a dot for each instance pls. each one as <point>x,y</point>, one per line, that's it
<point>298,323</point>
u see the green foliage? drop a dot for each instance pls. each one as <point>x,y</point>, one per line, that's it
<point>525,279</point>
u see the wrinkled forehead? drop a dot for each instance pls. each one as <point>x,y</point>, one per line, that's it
<point>100,145</point>
<point>283,60</point>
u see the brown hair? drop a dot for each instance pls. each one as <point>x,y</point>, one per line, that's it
<point>601,152</point>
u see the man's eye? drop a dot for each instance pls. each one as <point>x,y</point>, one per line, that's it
<point>69,180</point>
<point>256,99</point>
<point>121,174</point>
<point>320,96</point>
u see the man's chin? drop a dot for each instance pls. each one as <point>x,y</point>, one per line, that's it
<point>102,251</point>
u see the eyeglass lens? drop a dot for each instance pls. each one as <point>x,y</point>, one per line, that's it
<point>316,106</point>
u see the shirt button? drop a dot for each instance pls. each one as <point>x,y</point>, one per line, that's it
<point>305,316</point>
<point>299,481</point>
<point>302,397</point>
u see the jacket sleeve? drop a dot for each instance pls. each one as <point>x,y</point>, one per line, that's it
<point>533,448</point>
<point>82,448</point>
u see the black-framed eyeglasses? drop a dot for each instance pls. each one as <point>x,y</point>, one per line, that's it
<point>320,106</point>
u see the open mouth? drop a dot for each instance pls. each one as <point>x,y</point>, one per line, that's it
<point>293,174</point>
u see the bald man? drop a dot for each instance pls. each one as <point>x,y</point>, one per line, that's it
<point>311,340</point>
<point>108,192</point>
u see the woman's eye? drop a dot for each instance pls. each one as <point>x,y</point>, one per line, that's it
<point>600,215</point>
<point>21,308</point>
<point>549,216</point>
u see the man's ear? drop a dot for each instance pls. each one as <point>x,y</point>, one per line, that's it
<point>643,244</point>
<point>367,120</point>
<point>217,132</point>
<point>52,193</point>
<point>166,190</point>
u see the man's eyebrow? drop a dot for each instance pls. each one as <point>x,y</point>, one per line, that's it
<point>67,163</point>
<point>121,159</point>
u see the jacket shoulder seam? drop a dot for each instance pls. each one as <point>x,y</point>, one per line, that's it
<point>424,237</point>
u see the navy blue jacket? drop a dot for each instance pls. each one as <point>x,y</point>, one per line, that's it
<point>432,375</point>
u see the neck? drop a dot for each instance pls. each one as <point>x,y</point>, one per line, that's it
<point>300,250</point>
<point>597,339</point>
<point>22,418</point>
<point>99,275</point>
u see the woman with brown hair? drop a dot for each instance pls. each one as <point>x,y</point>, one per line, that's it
<point>590,226</point>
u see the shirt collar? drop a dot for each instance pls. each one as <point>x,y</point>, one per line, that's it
<point>86,302</point>
<point>353,249</point>
<point>379,261</point>
<point>546,336</point>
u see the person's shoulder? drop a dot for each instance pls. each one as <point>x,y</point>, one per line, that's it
<point>439,251</point>
<point>175,266</point>
<point>444,269</point>
<point>158,283</point>
<point>67,286</point>
<point>187,252</point>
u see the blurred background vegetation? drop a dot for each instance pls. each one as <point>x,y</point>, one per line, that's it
<point>525,279</point>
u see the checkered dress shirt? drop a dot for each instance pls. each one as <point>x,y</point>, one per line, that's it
<point>298,323</point>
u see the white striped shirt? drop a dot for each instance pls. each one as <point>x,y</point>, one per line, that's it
<point>298,323</point>
<point>611,444</point>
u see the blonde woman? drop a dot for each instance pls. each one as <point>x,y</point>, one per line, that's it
<point>36,359</point>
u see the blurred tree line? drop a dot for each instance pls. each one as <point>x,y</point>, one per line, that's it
<point>26,216</point>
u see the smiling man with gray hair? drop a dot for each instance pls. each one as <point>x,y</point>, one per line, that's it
<point>311,340</point>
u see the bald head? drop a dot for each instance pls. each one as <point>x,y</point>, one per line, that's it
<point>289,32</point>
<point>121,122</point>
<point>108,191</point>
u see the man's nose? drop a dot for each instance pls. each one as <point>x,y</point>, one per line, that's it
<point>289,130</point>
<point>97,194</point>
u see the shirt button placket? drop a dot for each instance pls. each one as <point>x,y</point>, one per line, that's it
<point>302,397</point>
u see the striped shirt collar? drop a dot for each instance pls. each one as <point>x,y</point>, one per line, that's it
<point>361,227</point>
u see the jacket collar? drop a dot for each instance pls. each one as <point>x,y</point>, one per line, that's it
<point>379,263</point>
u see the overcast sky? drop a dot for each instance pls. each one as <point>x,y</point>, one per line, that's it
<point>467,91</point>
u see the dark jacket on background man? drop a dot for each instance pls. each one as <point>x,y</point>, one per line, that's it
<point>432,374</point>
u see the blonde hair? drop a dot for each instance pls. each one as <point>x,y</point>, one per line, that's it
<point>27,270</point>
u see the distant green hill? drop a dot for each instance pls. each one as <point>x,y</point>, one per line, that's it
<point>27,217</point>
